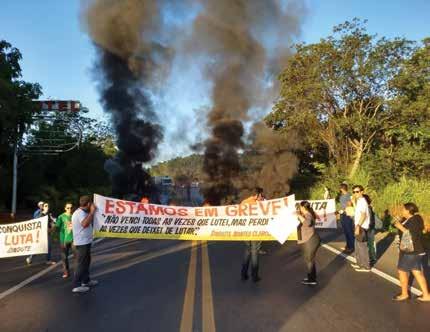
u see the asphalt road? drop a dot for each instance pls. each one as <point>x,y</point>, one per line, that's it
<point>187,286</point>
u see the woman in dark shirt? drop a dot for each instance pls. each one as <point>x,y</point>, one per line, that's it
<point>411,261</point>
<point>309,240</point>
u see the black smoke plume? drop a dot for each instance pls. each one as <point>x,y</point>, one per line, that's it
<point>233,34</point>
<point>129,60</point>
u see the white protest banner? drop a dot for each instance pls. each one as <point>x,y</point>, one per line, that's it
<point>326,212</point>
<point>24,238</point>
<point>263,221</point>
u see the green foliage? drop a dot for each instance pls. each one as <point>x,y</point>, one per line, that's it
<point>394,195</point>
<point>181,169</point>
<point>16,99</point>
<point>336,93</point>
<point>63,177</point>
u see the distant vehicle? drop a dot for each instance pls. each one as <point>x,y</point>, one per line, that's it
<point>163,181</point>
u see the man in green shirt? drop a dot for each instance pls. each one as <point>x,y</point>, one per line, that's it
<point>64,225</point>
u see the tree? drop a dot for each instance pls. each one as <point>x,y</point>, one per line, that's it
<point>57,178</point>
<point>336,93</point>
<point>406,146</point>
<point>16,99</point>
<point>183,170</point>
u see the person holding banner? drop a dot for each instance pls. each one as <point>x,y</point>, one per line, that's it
<point>252,247</point>
<point>37,213</point>
<point>51,224</point>
<point>64,225</point>
<point>346,221</point>
<point>362,222</point>
<point>309,240</point>
<point>82,227</point>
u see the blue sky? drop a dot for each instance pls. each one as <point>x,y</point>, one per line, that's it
<point>58,54</point>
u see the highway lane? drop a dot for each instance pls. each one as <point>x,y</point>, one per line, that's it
<point>187,286</point>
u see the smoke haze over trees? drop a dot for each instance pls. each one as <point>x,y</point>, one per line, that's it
<point>135,51</point>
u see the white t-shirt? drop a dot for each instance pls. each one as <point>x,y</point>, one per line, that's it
<point>360,207</point>
<point>81,235</point>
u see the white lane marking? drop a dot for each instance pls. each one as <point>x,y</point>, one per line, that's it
<point>384,275</point>
<point>34,277</point>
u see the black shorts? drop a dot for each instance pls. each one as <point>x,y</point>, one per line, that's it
<point>409,262</point>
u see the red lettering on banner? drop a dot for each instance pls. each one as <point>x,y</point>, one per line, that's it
<point>183,212</point>
<point>264,207</point>
<point>253,210</point>
<point>243,209</point>
<point>158,210</point>
<point>169,211</point>
<point>109,205</point>
<point>211,212</point>
<point>276,205</point>
<point>18,239</point>
<point>141,208</point>
<point>120,207</point>
<point>131,205</point>
<point>230,210</point>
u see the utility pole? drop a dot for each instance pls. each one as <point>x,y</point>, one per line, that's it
<point>15,175</point>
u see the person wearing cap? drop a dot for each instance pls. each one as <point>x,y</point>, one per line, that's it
<point>51,225</point>
<point>37,213</point>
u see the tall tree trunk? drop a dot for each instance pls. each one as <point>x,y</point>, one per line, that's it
<point>359,147</point>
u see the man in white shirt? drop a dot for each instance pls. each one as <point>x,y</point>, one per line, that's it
<point>82,225</point>
<point>362,221</point>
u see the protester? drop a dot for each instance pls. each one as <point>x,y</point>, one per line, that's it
<point>371,245</point>
<point>309,240</point>
<point>361,220</point>
<point>82,225</point>
<point>51,224</point>
<point>64,225</point>
<point>252,247</point>
<point>37,213</point>
<point>346,221</point>
<point>326,193</point>
<point>411,253</point>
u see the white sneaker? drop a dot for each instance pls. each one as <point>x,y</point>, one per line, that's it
<point>355,266</point>
<point>80,289</point>
<point>91,283</point>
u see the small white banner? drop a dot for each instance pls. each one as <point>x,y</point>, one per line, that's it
<point>325,210</point>
<point>24,238</point>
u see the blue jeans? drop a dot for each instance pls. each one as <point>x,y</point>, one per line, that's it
<point>371,245</point>
<point>348,229</point>
<point>48,255</point>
